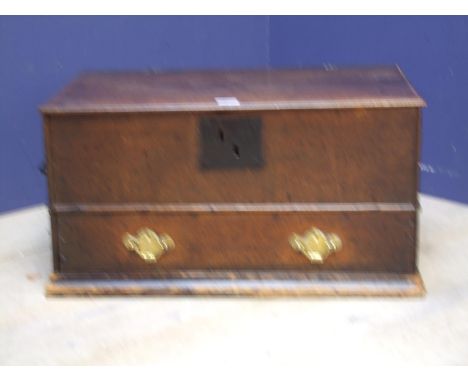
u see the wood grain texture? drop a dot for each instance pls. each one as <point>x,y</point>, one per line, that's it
<point>339,150</point>
<point>296,284</point>
<point>372,241</point>
<point>344,156</point>
<point>254,89</point>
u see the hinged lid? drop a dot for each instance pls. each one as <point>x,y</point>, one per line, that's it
<point>96,92</point>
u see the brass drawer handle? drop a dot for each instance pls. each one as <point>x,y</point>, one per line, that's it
<point>315,244</point>
<point>148,244</point>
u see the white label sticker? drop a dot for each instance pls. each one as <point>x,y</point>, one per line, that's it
<point>227,101</point>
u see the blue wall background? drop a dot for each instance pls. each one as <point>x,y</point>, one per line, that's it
<point>38,55</point>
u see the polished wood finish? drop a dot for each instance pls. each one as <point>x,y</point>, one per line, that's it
<point>372,241</point>
<point>353,155</point>
<point>253,89</point>
<point>254,284</point>
<point>232,207</point>
<point>339,151</point>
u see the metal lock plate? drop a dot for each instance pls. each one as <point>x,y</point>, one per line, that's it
<point>230,142</point>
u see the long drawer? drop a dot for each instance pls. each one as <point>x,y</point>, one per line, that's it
<point>349,155</point>
<point>370,241</point>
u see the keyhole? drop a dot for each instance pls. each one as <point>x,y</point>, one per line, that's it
<point>235,149</point>
<point>221,135</point>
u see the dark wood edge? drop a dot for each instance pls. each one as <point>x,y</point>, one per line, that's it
<point>413,90</point>
<point>315,284</point>
<point>243,274</point>
<point>416,156</point>
<point>51,191</point>
<point>231,207</point>
<point>48,152</point>
<point>417,180</point>
<point>244,106</point>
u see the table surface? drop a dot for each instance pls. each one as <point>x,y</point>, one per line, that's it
<point>264,333</point>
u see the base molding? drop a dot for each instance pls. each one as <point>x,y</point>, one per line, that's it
<point>265,284</point>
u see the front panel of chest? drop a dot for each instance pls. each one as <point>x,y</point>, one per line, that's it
<point>323,195</point>
<point>334,156</point>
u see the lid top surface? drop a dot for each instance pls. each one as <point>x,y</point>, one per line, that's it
<point>237,89</point>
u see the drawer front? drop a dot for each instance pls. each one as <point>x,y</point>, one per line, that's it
<point>351,155</point>
<point>371,241</point>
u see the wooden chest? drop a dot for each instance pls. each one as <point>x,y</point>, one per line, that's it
<point>278,182</point>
